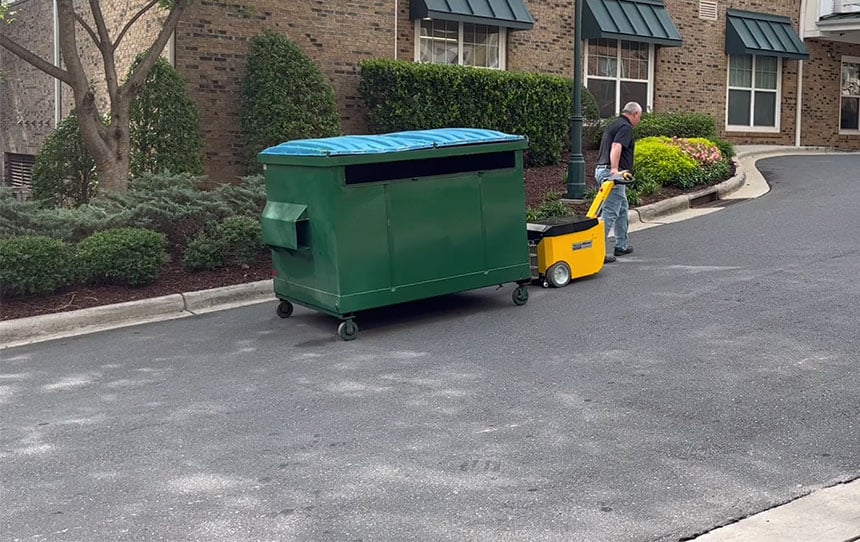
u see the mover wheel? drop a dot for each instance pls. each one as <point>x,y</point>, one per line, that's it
<point>285,309</point>
<point>347,330</point>
<point>558,274</point>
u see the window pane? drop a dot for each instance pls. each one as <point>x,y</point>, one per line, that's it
<point>740,71</point>
<point>765,72</point>
<point>634,60</point>
<point>604,95</point>
<point>739,107</point>
<point>633,92</point>
<point>439,42</point>
<point>603,58</point>
<point>764,109</point>
<point>850,119</point>
<point>850,79</point>
<point>480,45</point>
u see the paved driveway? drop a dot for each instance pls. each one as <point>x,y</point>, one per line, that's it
<point>711,375</point>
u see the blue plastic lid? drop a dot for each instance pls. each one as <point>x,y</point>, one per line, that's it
<point>395,142</point>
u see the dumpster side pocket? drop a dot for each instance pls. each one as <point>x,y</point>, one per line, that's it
<point>284,225</point>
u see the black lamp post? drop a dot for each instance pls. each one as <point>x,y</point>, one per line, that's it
<point>576,162</point>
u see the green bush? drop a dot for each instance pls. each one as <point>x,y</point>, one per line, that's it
<point>284,97</point>
<point>409,96</point>
<point>641,188</point>
<point>657,160</point>
<point>35,265</point>
<point>129,256</point>
<point>726,148</point>
<point>203,253</point>
<point>164,124</point>
<point>64,172</point>
<point>675,125</point>
<point>550,206</point>
<point>242,238</point>
<point>238,240</point>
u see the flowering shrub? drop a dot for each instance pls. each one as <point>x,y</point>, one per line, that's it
<point>699,149</point>
<point>679,162</point>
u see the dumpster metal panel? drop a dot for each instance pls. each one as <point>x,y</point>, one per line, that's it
<point>405,216</point>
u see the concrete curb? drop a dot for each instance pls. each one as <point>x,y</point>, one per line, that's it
<point>64,324</point>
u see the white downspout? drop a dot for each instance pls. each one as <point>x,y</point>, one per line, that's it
<point>797,121</point>
<point>58,85</point>
<point>396,16</point>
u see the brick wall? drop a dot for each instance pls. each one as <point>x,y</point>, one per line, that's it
<point>821,95</point>
<point>212,44</point>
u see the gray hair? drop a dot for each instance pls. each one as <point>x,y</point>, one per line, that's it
<point>631,108</point>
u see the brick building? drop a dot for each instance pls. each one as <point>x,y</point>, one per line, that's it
<point>769,72</point>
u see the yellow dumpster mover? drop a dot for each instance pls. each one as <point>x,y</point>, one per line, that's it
<point>565,248</point>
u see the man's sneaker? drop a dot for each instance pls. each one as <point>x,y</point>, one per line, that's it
<point>609,259</point>
<point>624,251</point>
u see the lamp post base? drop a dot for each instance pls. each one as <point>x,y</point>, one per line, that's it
<point>576,177</point>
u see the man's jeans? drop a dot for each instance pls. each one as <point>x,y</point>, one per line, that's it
<point>614,209</point>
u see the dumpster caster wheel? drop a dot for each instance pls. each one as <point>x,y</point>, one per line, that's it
<point>347,330</point>
<point>285,309</point>
<point>520,295</point>
<point>558,274</point>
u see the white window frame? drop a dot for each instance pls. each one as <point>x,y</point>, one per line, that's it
<point>778,113</point>
<point>849,60</point>
<point>503,45</point>
<point>618,79</point>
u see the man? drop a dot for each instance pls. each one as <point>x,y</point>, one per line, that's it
<point>616,154</point>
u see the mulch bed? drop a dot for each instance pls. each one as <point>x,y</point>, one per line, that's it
<point>174,279</point>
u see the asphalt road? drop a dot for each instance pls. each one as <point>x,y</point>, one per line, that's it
<point>709,376</point>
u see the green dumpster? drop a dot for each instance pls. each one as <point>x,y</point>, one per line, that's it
<point>358,222</point>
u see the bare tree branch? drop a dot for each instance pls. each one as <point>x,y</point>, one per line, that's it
<point>100,22</point>
<point>34,60</point>
<point>134,82</point>
<point>89,30</point>
<point>134,19</point>
<point>107,50</point>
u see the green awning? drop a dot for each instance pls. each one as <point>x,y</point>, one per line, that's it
<point>749,33</point>
<point>507,13</point>
<point>633,20</point>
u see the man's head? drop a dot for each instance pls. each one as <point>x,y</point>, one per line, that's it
<point>633,112</point>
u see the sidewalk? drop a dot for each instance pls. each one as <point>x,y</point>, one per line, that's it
<point>825,515</point>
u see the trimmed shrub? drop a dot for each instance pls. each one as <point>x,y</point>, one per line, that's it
<point>242,238</point>
<point>284,97</point>
<point>237,240</point>
<point>675,125</point>
<point>657,160</point>
<point>409,96</point>
<point>203,254</point>
<point>129,256</point>
<point>164,124</point>
<point>35,265</point>
<point>64,172</point>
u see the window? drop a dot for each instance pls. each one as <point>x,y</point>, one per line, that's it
<point>618,72</point>
<point>466,44</point>
<point>849,118</point>
<point>753,93</point>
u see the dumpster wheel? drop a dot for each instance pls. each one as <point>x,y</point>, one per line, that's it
<point>520,295</point>
<point>347,330</point>
<point>285,309</point>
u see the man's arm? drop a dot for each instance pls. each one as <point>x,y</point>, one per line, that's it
<point>614,157</point>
